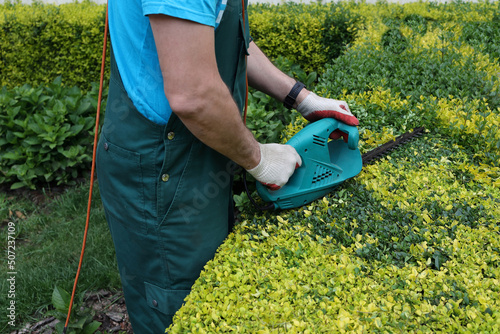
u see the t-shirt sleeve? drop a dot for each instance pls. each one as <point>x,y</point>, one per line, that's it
<point>200,11</point>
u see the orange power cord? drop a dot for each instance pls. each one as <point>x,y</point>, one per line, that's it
<point>92,172</point>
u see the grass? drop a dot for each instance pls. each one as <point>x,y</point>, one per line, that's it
<point>47,251</point>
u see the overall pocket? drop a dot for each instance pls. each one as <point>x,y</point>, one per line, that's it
<point>121,186</point>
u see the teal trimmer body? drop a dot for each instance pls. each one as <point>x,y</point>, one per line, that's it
<point>325,164</point>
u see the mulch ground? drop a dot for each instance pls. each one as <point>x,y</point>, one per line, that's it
<point>109,309</point>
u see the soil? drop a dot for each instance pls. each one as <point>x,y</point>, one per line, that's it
<point>108,308</point>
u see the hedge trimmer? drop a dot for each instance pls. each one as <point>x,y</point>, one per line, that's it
<point>325,164</point>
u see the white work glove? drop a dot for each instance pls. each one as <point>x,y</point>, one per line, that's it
<point>314,107</point>
<point>277,164</point>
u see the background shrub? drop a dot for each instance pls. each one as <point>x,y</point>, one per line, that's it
<point>413,72</point>
<point>66,40</point>
<point>430,69</point>
<point>307,35</point>
<point>41,42</point>
<point>45,134</point>
<point>267,118</point>
<point>394,41</point>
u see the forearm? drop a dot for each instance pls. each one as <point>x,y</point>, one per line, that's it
<point>218,124</point>
<point>264,76</point>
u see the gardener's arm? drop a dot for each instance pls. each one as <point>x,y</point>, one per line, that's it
<point>199,97</point>
<point>196,92</point>
<point>264,76</point>
<point>267,78</point>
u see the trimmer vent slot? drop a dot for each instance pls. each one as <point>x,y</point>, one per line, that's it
<point>321,176</point>
<point>285,204</point>
<point>319,140</point>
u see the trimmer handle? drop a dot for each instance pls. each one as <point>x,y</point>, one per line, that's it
<point>319,132</point>
<point>352,131</point>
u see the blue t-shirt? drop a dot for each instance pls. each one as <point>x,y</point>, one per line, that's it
<point>135,50</point>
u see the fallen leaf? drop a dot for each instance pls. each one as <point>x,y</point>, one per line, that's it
<point>20,215</point>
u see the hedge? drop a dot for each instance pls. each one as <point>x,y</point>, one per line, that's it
<point>309,36</point>
<point>41,42</point>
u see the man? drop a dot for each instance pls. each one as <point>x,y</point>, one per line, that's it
<point>172,129</point>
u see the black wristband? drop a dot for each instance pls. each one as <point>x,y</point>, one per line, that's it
<point>290,98</point>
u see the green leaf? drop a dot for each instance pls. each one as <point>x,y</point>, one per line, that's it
<point>91,328</point>
<point>17,185</point>
<point>60,299</point>
<point>32,141</point>
<point>75,129</point>
<point>44,98</point>
<point>19,134</point>
<point>80,323</point>
<point>12,156</point>
<point>35,128</point>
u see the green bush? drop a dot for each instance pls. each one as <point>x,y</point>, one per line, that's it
<point>417,23</point>
<point>433,71</point>
<point>307,35</point>
<point>66,40</point>
<point>340,29</point>
<point>394,41</point>
<point>267,118</point>
<point>41,42</point>
<point>484,36</point>
<point>45,134</point>
<point>80,317</point>
<point>411,72</point>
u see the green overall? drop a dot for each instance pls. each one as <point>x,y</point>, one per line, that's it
<point>166,195</point>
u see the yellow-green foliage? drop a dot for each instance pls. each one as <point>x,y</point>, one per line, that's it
<point>375,17</point>
<point>432,182</point>
<point>287,279</point>
<point>296,36</point>
<point>307,35</point>
<point>41,42</point>
<point>281,276</point>
<point>471,118</point>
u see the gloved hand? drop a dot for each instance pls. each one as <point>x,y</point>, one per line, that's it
<point>277,164</point>
<point>314,107</point>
